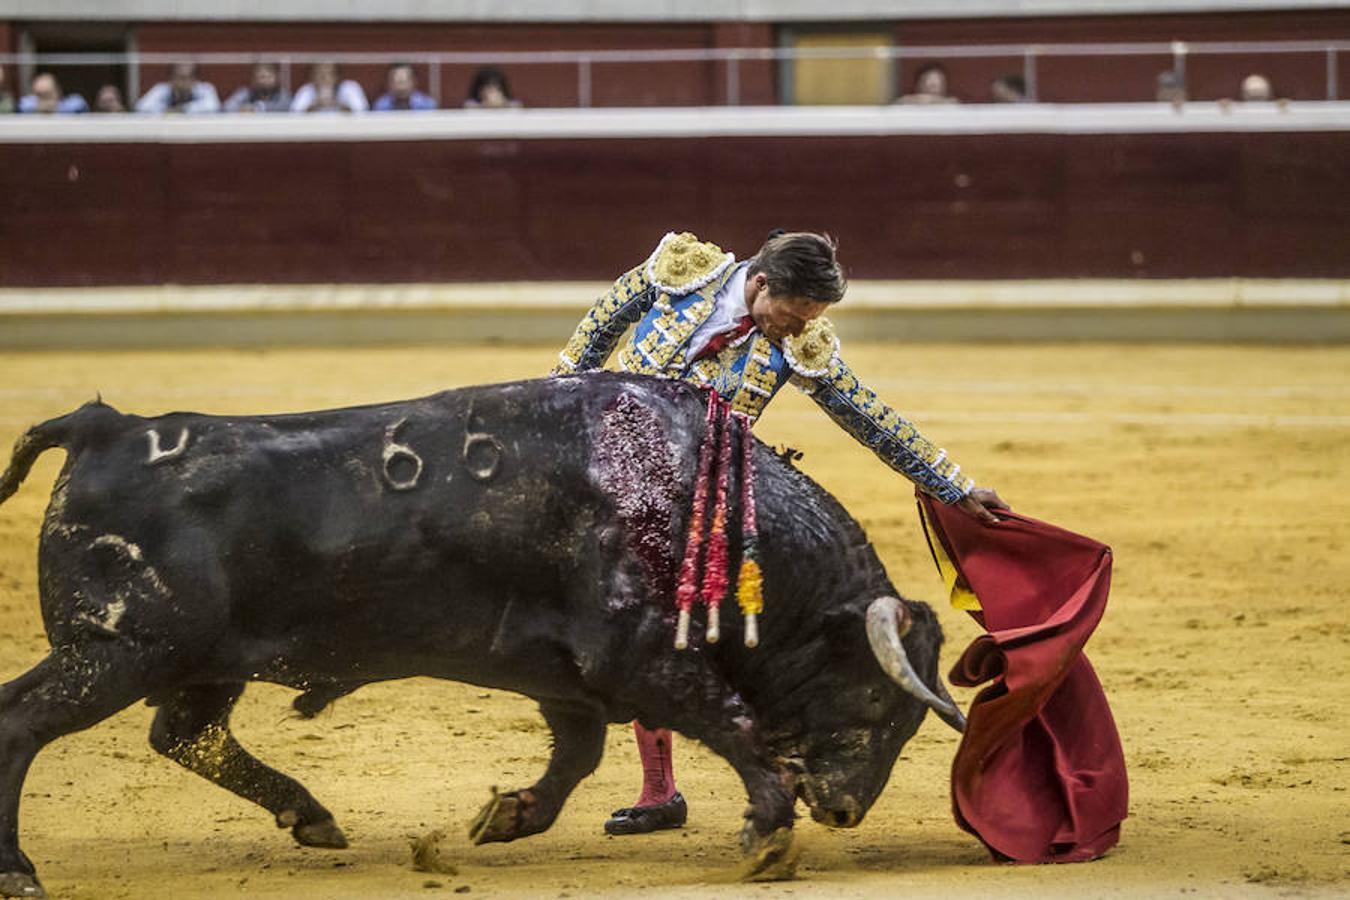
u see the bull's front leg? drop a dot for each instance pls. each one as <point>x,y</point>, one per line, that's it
<point>766,837</point>
<point>698,703</point>
<point>578,744</point>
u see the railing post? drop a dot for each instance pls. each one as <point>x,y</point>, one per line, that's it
<point>27,67</point>
<point>1332,77</point>
<point>1179,63</point>
<point>434,76</point>
<point>133,70</point>
<point>733,80</point>
<point>897,73</point>
<point>584,81</point>
<point>286,75</point>
<point>1029,75</point>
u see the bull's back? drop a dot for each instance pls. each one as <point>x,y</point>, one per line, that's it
<point>431,510</point>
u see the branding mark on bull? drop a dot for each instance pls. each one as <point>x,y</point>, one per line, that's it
<point>482,454</point>
<point>117,542</point>
<point>158,454</point>
<point>400,458</point>
<point>142,571</point>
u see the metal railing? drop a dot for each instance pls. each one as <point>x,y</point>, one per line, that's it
<point>584,61</point>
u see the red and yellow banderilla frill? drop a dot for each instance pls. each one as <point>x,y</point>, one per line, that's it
<point>706,571</point>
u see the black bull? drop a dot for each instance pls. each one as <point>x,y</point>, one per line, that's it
<point>520,536</point>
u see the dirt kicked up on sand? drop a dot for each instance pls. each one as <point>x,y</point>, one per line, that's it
<point>1219,475</point>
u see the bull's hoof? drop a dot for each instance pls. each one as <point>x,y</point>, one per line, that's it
<point>325,834</point>
<point>502,819</point>
<point>771,857</point>
<point>20,884</point>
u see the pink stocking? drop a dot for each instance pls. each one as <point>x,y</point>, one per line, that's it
<point>658,776</point>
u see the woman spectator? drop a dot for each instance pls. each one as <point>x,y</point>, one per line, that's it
<point>490,90</point>
<point>109,100</point>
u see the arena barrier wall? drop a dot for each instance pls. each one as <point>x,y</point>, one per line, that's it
<point>1038,192</point>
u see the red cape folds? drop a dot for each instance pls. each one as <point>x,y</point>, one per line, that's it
<point>1039,775</point>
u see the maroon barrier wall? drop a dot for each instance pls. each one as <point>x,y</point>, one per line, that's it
<point>1007,206</point>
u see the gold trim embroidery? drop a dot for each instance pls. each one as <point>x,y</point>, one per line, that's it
<point>681,263</point>
<point>757,379</point>
<point>811,352</point>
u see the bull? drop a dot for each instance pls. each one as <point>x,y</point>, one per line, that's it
<point>518,536</point>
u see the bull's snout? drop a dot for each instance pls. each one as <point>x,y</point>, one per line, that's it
<point>846,815</point>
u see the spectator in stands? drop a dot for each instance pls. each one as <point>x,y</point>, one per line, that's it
<point>490,90</point>
<point>184,92</point>
<point>403,93</point>
<point>263,93</point>
<point>327,91</point>
<point>109,100</point>
<point>47,97</point>
<point>1171,88</point>
<point>930,87</point>
<point>6,98</point>
<point>1008,89</point>
<point>1257,89</point>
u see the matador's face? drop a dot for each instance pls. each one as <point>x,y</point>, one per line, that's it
<point>779,316</point>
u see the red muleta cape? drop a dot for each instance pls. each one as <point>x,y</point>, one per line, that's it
<point>1039,775</point>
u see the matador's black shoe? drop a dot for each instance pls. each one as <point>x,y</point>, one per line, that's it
<point>642,819</point>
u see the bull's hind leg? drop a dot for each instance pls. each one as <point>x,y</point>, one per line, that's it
<point>192,728</point>
<point>72,689</point>
<point>578,744</point>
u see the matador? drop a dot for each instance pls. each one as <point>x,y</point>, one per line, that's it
<point>745,329</point>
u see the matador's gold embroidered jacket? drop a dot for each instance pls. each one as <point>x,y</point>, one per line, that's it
<point>671,294</point>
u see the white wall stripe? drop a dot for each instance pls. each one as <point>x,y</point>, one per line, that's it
<point>683,122</point>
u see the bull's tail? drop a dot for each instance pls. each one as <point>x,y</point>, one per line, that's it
<point>62,431</point>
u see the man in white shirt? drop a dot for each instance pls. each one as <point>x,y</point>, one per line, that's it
<point>182,93</point>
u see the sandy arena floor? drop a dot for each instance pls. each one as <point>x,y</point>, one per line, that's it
<point>1220,475</point>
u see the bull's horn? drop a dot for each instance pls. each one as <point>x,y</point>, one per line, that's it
<point>887,621</point>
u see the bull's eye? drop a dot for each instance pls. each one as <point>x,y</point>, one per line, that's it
<point>875,708</point>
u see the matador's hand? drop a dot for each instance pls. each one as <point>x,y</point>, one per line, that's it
<point>979,502</point>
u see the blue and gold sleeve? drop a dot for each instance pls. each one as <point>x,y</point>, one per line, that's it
<point>858,410</point>
<point>600,330</point>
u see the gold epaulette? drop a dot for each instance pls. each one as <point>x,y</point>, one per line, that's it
<point>681,264</point>
<point>811,352</point>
